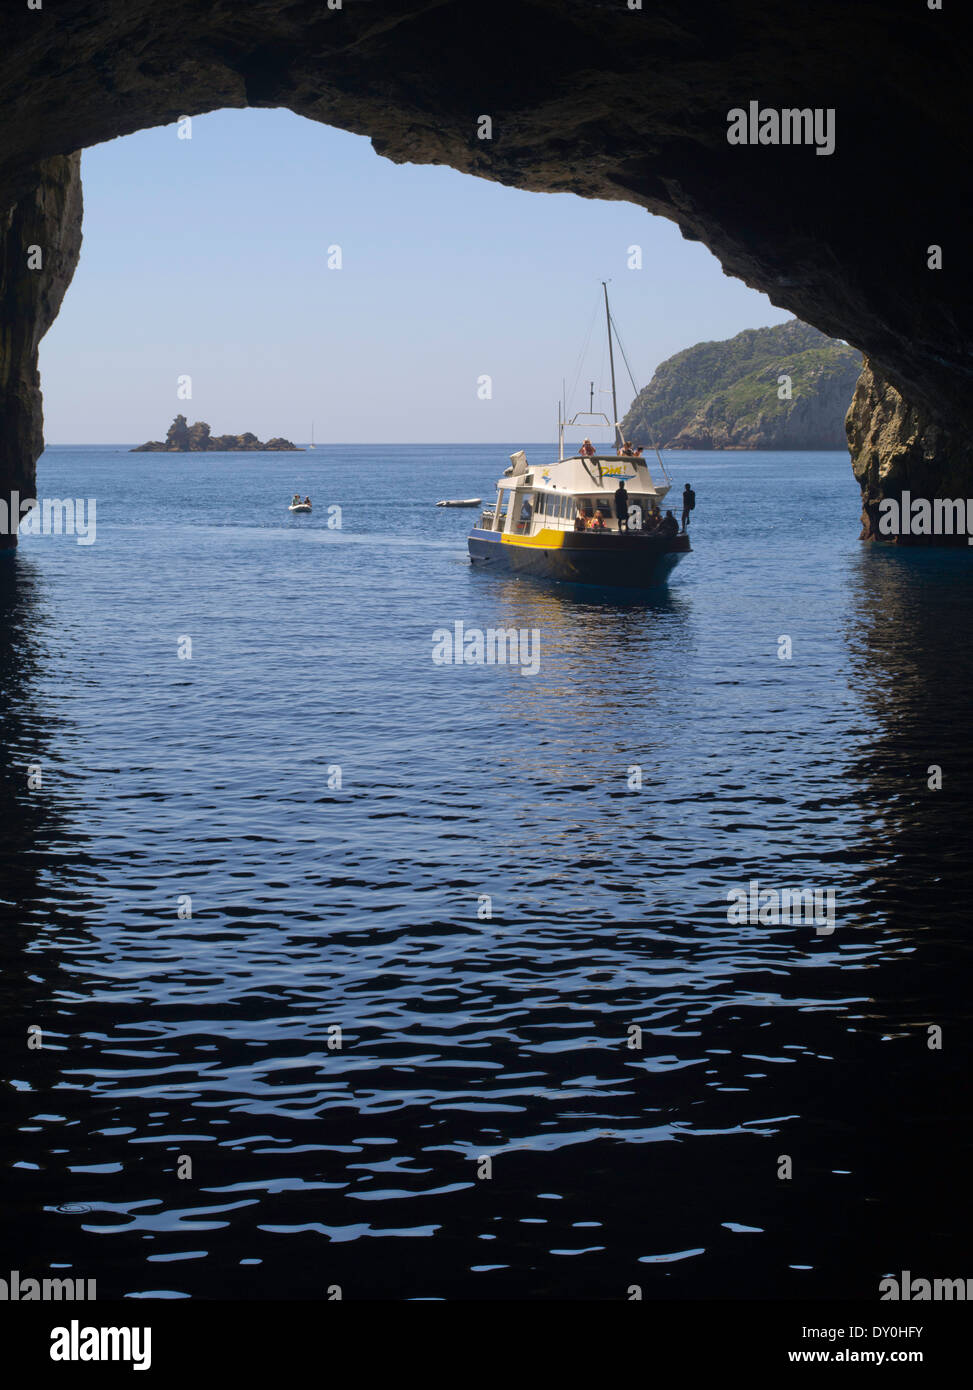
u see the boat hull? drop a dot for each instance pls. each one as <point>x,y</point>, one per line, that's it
<point>633,561</point>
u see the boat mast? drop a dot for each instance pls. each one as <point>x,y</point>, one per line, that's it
<point>611,362</point>
<point>563,413</point>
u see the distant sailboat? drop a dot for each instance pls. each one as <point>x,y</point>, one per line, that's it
<point>311,445</point>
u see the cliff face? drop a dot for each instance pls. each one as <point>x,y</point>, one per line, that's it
<point>598,99</point>
<point>895,449</point>
<point>726,395</point>
<point>44,230</point>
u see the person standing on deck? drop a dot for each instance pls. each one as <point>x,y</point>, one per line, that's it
<point>621,506</point>
<point>688,503</point>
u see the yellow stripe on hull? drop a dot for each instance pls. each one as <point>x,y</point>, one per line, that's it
<point>544,540</point>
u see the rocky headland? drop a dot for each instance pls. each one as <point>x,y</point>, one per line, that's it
<point>183,438</point>
<point>785,387</point>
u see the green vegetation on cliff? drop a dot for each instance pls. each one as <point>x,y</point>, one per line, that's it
<point>727,395</point>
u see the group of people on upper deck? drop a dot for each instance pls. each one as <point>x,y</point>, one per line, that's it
<point>627,450</point>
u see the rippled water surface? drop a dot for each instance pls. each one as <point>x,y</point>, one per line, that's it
<point>473,1030</point>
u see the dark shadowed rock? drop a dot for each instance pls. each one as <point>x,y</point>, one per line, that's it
<point>178,437</point>
<point>199,436</point>
<point>47,218</point>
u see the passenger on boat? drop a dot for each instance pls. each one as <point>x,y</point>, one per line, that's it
<point>670,526</point>
<point>587,450</point>
<point>597,522</point>
<point>621,506</point>
<point>296,500</point>
<point>307,501</point>
<point>688,503</point>
<point>654,519</point>
<point>579,522</point>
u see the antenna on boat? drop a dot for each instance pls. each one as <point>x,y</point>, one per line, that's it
<point>611,363</point>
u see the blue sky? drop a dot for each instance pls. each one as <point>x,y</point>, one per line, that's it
<point>209,258</point>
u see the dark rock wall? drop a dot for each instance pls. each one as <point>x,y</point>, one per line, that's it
<point>895,448</point>
<point>48,219</point>
<point>587,96</point>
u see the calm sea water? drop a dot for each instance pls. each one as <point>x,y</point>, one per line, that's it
<point>464,1036</point>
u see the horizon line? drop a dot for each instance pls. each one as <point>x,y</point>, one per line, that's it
<point>408,443</point>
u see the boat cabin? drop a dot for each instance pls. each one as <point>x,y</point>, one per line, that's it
<point>549,498</point>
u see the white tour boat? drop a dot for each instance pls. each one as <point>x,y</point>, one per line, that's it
<point>560,520</point>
